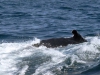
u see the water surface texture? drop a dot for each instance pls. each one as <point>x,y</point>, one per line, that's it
<point>26,22</point>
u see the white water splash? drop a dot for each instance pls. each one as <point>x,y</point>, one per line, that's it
<point>12,54</point>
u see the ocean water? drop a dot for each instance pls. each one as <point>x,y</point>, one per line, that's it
<point>26,22</point>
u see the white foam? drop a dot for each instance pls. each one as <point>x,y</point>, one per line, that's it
<point>56,58</point>
<point>90,49</point>
<point>11,54</point>
<point>24,69</point>
<point>48,73</point>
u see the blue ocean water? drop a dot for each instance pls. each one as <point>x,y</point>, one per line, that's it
<point>26,22</point>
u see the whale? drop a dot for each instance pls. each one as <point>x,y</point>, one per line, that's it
<point>60,42</point>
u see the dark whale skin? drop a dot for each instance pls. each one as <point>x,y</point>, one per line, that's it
<point>56,42</point>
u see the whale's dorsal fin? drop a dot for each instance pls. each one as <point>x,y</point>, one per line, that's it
<point>77,36</point>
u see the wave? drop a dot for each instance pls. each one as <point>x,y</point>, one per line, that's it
<point>21,58</point>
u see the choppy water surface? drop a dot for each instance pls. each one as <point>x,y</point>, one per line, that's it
<point>26,22</point>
